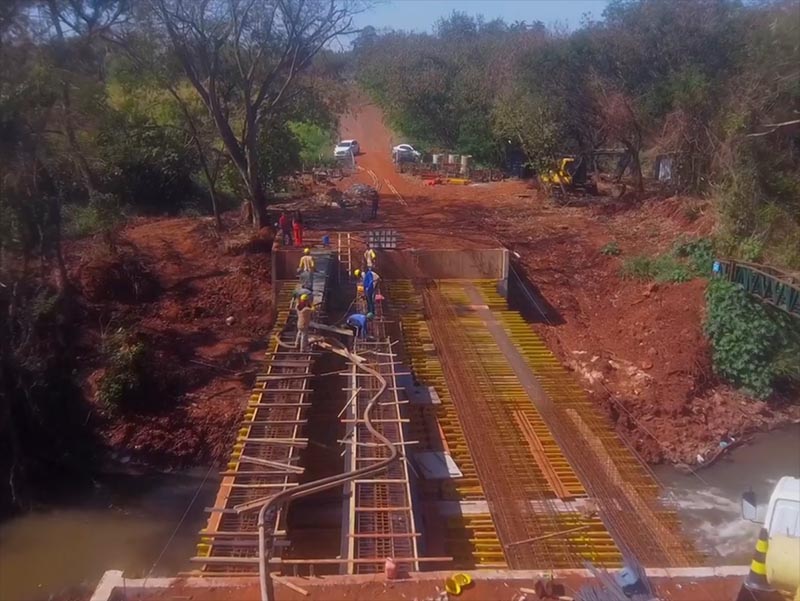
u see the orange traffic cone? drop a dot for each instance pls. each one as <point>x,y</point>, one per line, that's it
<point>756,581</point>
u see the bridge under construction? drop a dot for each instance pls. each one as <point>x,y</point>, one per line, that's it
<point>502,460</point>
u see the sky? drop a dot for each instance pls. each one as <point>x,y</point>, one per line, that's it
<point>421,15</point>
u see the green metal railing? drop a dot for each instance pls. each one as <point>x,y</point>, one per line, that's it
<point>770,285</point>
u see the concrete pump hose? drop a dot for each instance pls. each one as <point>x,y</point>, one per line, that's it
<point>310,488</point>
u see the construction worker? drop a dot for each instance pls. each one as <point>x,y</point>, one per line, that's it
<point>305,269</point>
<point>375,200</point>
<point>306,262</point>
<point>300,295</point>
<point>370,280</point>
<point>297,227</point>
<point>304,300</point>
<point>304,314</point>
<point>370,257</point>
<point>285,226</point>
<point>358,321</point>
<point>359,275</point>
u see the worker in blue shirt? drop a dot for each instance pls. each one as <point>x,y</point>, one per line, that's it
<point>370,280</point>
<point>358,321</point>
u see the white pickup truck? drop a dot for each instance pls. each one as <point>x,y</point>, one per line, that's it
<point>782,523</point>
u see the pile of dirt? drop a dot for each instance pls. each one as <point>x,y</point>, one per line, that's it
<point>203,311</point>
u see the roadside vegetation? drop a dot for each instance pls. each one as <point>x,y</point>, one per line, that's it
<point>754,345</point>
<point>686,260</point>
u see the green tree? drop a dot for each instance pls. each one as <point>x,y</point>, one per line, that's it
<point>244,59</point>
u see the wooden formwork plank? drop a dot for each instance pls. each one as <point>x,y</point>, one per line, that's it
<point>538,451</point>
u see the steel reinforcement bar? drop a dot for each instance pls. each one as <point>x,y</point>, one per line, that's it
<point>380,520</point>
<point>624,491</point>
<point>469,532</point>
<point>265,460</point>
<point>265,456</point>
<point>535,529</point>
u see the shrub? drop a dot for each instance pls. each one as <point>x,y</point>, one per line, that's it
<point>688,259</point>
<point>124,381</point>
<point>699,252</point>
<point>665,268</point>
<point>611,249</point>
<point>639,267</point>
<point>753,345</point>
<point>102,214</point>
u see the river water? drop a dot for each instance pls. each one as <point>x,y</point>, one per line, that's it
<point>123,523</point>
<point>708,502</point>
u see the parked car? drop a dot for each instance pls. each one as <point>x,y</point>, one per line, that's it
<point>345,148</point>
<point>405,152</point>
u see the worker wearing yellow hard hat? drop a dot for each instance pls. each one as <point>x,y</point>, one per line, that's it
<point>304,314</point>
<point>370,281</point>
<point>306,261</point>
<point>305,269</point>
<point>359,283</point>
<point>370,257</point>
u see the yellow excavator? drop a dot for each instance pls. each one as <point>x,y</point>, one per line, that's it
<point>571,174</point>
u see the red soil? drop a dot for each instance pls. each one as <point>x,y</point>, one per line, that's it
<point>638,348</point>
<point>174,283</point>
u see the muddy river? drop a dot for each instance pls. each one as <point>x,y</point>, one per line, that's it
<point>708,502</point>
<point>123,523</point>
<point>126,522</point>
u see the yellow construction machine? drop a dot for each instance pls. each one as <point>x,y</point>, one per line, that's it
<point>571,174</point>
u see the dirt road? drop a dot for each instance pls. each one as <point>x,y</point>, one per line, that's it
<point>433,216</point>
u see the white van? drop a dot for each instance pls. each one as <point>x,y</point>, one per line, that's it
<point>782,523</point>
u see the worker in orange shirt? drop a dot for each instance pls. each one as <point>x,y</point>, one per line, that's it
<point>297,228</point>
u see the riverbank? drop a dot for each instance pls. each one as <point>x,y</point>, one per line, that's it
<point>197,307</point>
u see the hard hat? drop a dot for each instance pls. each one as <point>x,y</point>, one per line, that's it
<point>307,251</point>
<point>357,272</point>
<point>370,316</point>
<point>303,297</point>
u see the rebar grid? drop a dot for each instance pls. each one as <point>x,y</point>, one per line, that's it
<point>509,485</point>
<point>625,492</point>
<point>377,528</point>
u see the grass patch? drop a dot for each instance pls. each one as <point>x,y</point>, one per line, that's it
<point>611,249</point>
<point>687,259</point>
